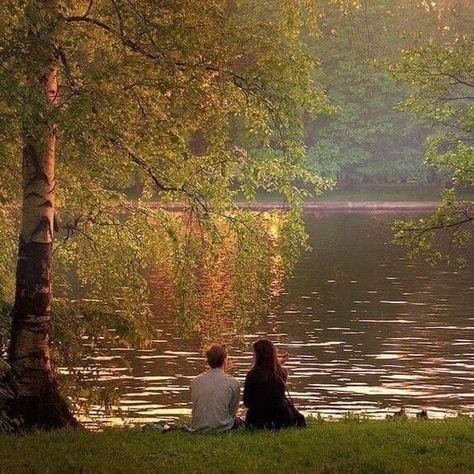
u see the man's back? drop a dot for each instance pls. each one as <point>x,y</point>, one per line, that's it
<point>215,397</point>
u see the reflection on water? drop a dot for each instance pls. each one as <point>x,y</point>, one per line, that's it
<point>366,329</point>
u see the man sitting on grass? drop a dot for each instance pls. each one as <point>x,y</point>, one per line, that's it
<point>215,395</point>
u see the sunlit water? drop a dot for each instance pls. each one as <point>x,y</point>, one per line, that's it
<point>367,330</point>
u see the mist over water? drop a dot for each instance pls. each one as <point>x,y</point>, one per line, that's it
<point>367,331</point>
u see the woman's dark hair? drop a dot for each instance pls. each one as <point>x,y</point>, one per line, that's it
<point>266,361</point>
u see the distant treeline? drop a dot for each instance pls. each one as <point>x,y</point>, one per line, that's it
<point>367,139</point>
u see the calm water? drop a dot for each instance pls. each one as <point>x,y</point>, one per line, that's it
<point>367,332</point>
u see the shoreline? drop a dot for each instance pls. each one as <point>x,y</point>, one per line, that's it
<point>344,206</point>
<point>325,206</point>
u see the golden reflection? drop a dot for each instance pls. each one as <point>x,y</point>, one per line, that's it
<point>226,276</point>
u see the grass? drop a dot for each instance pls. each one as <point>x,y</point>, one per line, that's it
<point>377,193</point>
<point>351,446</point>
<point>389,193</point>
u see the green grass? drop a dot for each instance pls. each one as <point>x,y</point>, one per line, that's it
<point>414,193</point>
<point>367,446</point>
<point>377,193</point>
<point>381,193</point>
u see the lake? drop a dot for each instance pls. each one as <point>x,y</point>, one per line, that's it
<point>367,331</point>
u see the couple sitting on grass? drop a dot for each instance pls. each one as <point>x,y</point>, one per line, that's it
<point>215,394</point>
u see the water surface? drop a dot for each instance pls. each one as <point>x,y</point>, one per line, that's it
<point>367,330</point>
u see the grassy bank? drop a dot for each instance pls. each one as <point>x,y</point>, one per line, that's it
<point>377,193</point>
<point>368,446</point>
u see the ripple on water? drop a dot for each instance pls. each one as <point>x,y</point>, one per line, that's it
<point>374,336</point>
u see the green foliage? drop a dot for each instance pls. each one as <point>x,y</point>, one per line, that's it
<point>367,139</point>
<point>441,236</point>
<point>8,424</point>
<point>187,101</point>
<point>442,77</point>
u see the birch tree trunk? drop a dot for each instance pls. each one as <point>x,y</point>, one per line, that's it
<point>37,400</point>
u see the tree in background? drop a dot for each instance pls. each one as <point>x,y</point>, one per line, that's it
<point>369,139</point>
<point>199,100</point>
<point>441,74</point>
<point>366,140</point>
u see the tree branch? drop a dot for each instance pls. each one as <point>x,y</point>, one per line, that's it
<point>130,44</point>
<point>135,158</point>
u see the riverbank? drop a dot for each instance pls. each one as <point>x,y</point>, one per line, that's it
<point>350,206</point>
<point>347,446</point>
<point>335,206</point>
<point>365,198</point>
<point>389,193</point>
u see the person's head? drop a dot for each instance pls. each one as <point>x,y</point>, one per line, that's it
<point>216,355</point>
<point>266,359</point>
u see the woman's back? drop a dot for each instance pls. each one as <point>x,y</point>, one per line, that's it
<point>264,391</point>
<point>265,399</point>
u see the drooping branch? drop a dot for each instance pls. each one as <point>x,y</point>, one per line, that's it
<point>127,42</point>
<point>244,84</point>
<point>450,222</point>
<point>451,225</point>
<point>89,7</point>
<point>67,69</point>
<point>142,164</point>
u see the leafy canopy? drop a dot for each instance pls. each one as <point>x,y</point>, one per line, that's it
<point>172,101</point>
<point>441,73</point>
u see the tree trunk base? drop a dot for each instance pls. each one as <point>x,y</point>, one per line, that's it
<point>49,411</point>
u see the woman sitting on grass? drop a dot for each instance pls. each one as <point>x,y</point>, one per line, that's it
<point>265,391</point>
